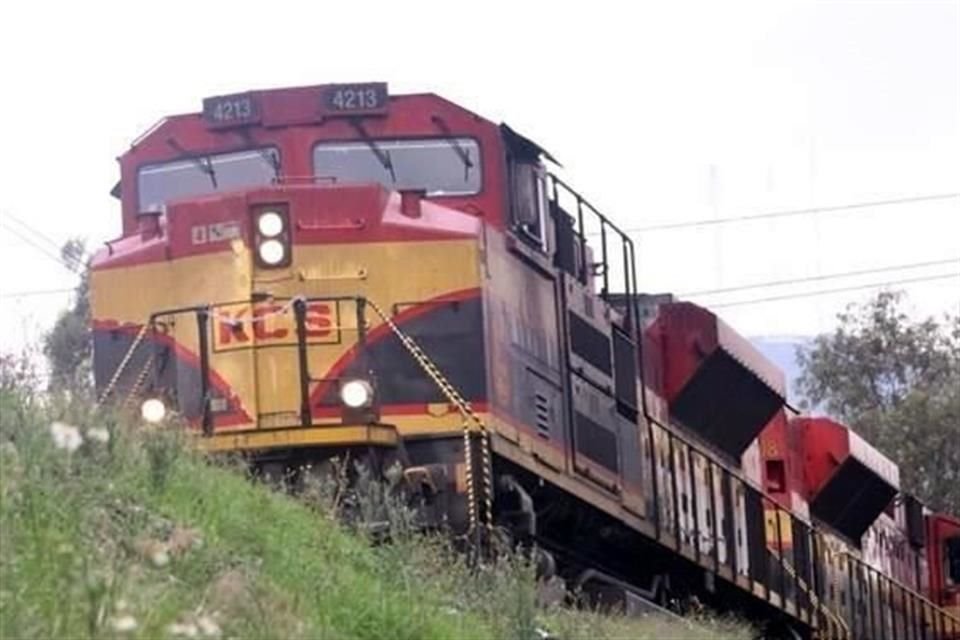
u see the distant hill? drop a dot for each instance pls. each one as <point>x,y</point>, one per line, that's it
<point>782,351</point>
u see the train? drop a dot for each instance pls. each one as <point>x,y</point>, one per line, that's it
<point>317,273</point>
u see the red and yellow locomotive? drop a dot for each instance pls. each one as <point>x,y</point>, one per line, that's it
<point>314,271</point>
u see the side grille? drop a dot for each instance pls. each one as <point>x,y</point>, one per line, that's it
<point>590,344</point>
<point>596,442</point>
<point>541,409</point>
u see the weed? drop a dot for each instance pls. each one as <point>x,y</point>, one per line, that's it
<point>81,532</point>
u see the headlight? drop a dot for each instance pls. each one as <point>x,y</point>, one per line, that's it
<point>270,224</point>
<point>272,252</point>
<point>152,410</point>
<point>272,240</point>
<point>356,394</point>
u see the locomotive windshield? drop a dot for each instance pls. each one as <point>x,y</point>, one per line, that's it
<point>157,184</point>
<point>440,166</point>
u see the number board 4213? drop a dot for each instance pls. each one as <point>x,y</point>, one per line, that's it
<point>231,111</point>
<point>369,98</point>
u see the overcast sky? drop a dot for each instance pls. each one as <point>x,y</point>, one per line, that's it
<point>661,112</point>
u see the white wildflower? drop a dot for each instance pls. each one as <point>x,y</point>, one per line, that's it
<point>208,627</point>
<point>160,558</point>
<point>99,434</point>
<point>66,436</point>
<point>187,629</point>
<point>122,624</point>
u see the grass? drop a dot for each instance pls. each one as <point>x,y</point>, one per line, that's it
<point>140,537</point>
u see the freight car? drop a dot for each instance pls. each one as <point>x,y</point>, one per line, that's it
<point>322,271</point>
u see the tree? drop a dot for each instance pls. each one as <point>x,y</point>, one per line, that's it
<point>896,382</point>
<point>69,345</point>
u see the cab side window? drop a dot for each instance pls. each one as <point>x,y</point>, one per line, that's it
<point>952,549</point>
<point>528,188</point>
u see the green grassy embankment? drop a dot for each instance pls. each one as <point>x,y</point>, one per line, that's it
<point>131,535</point>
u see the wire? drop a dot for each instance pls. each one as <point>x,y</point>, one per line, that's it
<point>809,294</point>
<point>53,246</point>
<point>63,263</point>
<point>38,292</point>
<point>50,241</point>
<point>830,276</point>
<point>791,212</point>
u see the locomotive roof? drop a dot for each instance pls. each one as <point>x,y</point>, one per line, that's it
<point>313,104</point>
<point>317,104</point>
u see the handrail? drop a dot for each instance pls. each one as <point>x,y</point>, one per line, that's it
<point>629,254</point>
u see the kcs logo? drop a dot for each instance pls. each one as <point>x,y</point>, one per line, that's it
<point>271,324</point>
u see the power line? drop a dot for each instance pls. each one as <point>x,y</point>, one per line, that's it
<point>790,212</point>
<point>830,276</point>
<point>40,248</point>
<point>73,263</point>
<point>50,241</point>
<point>821,292</point>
